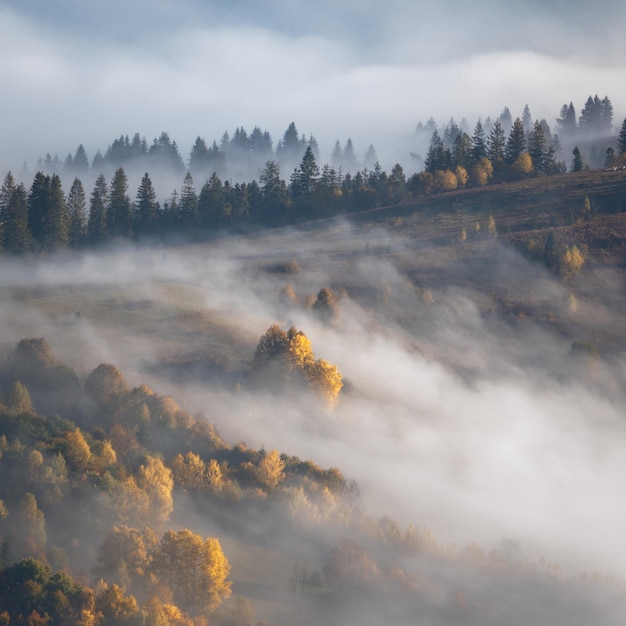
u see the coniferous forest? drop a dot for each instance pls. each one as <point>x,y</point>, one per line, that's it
<point>428,364</point>
<point>245,183</point>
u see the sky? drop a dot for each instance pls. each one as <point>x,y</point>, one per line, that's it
<point>87,72</point>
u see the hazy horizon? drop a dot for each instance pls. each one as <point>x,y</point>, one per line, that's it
<point>87,74</point>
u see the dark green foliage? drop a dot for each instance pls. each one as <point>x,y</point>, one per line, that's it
<point>97,222</point>
<point>77,215</point>
<point>119,216</point>
<point>29,591</point>
<point>146,208</point>
<point>621,141</point>
<point>15,233</point>
<point>577,162</point>
<point>516,143</point>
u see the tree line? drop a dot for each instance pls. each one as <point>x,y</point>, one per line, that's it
<point>44,218</point>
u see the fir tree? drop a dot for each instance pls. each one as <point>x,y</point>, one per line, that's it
<point>119,207</point>
<point>516,143</point>
<point>97,222</point>
<point>77,214</point>
<point>146,208</point>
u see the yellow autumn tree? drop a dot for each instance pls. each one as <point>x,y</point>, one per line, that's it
<point>194,569</point>
<point>155,478</point>
<point>286,357</point>
<point>270,470</point>
<point>77,450</point>
<point>326,379</point>
<point>189,471</point>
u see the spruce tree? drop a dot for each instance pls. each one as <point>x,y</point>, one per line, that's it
<point>188,203</point>
<point>577,162</point>
<point>97,222</point>
<point>77,214</point>
<point>538,148</point>
<point>621,140</point>
<point>38,207</point>
<point>479,145</point>
<point>56,220</point>
<point>496,144</point>
<point>516,143</point>
<point>16,236</point>
<point>119,223</point>
<point>146,208</point>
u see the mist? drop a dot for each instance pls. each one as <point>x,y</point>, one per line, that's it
<point>340,72</point>
<point>478,426</point>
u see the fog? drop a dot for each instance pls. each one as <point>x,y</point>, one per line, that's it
<point>87,75</point>
<point>476,426</point>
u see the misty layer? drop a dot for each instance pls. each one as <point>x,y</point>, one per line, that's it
<point>466,416</point>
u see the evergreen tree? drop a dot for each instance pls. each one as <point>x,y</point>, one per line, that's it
<point>56,219</point>
<point>567,122</point>
<point>461,151</point>
<point>437,157</point>
<point>8,187</point>
<point>527,120</point>
<point>304,178</point>
<point>506,119</point>
<point>516,143</point>
<point>97,222</point>
<point>38,206</point>
<point>290,148</point>
<point>77,214</point>
<point>621,140</point>
<point>16,236</point>
<point>577,162</point>
<point>348,158</point>
<point>479,144</point>
<point>119,218</point>
<point>80,163</point>
<point>496,144</point>
<point>538,148</point>
<point>146,208</point>
<point>370,159</point>
<point>336,158</point>
<point>199,157</point>
<point>273,195</point>
<point>188,203</point>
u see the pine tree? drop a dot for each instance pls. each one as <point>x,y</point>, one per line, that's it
<point>621,140</point>
<point>77,214</point>
<point>199,157</point>
<point>479,145</point>
<point>527,120</point>
<point>80,163</point>
<point>97,222</point>
<point>577,162</point>
<point>304,179</point>
<point>119,222</point>
<point>38,206</point>
<point>496,144</point>
<point>538,148</point>
<point>437,157</point>
<point>56,220</point>
<point>348,158</point>
<point>16,236</point>
<point>516,143</point>
<point>188,203</point>
<point>146,208</point>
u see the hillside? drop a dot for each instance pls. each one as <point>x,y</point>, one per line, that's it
<point>478,435</point>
